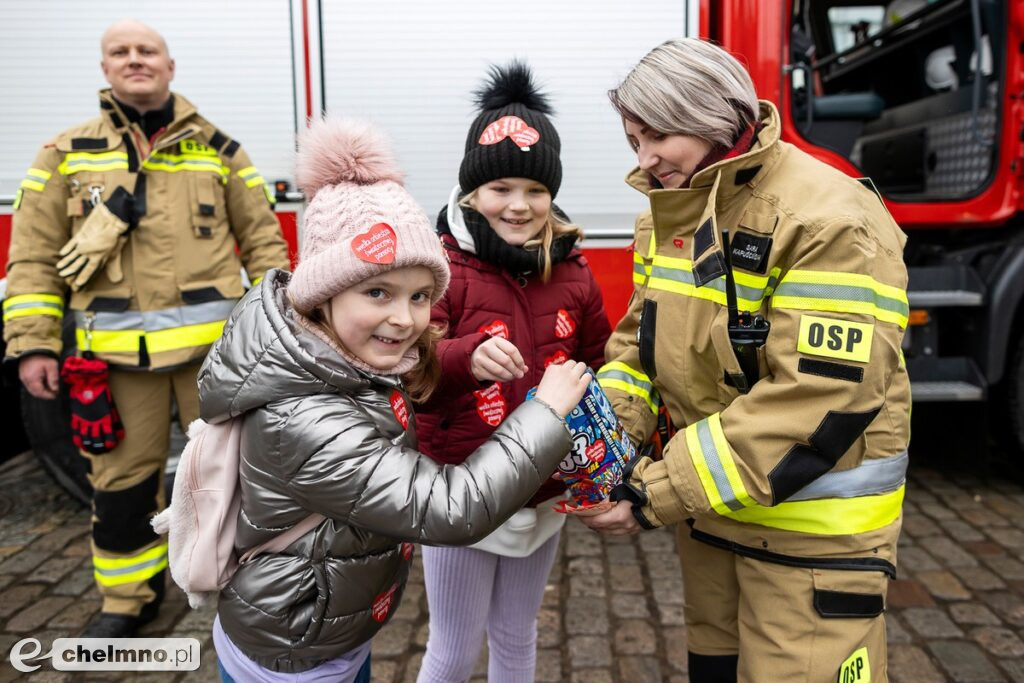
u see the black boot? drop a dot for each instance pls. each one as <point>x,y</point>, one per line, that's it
<point>111,625</point>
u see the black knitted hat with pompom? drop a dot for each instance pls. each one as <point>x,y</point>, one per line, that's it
<point>512,137</point>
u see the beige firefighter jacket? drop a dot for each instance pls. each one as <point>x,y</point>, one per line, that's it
<point>182,273</point>
<point>811,462</point>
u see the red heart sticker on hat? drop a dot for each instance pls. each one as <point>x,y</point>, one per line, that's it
<point>376,245</point>
<point>491,406</point>
<point>564,324</point>
<point>399,408</point>
<point>510,127</point>
<point>497,328</point>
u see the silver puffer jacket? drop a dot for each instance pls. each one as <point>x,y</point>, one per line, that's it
<point>322,436</point>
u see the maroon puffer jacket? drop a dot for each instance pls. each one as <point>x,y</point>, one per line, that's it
<point>561,319</point>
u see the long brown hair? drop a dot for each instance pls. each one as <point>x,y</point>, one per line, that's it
<point>422,379</point>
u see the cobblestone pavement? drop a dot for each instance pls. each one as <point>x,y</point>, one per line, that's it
<point>955,614</point>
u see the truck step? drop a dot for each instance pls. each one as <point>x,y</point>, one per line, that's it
<point>947,285</point>
<point>945,379</point>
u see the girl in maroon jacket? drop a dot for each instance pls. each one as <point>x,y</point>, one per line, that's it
<point>521,297</point>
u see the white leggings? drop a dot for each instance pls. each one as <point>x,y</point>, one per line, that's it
<point>470,592</point>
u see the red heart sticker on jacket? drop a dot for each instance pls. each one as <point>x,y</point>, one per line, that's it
<point>491,405</point>
<point>678,243</point>
<point>564,324</point>
<point>510,127</point>
<point>406,551</point>
<point>376,245</point>
<point>558,356</point>
<point>382,603</point>
<point>399,408</point>
<point>497,328</point>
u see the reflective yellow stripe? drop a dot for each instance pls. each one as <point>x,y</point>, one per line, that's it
<point>184,337</point>
<point>252,177</point>
<point>33,304</point>
<point>257,281</point>
<point>619,376</point>
<point>842,293</point>
<point>93,161</point>
<point>158,341</point>
<point>641,270</point>
<point>17,198</point>
<point>270,194</point>
<point>173,163</point>
<point>35,179</point>
<point>672,274</point>
<point>828,516</point>
<point>114,571</point>
<point>712,459</point>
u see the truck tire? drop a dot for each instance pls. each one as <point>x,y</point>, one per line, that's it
<point>1012,398</point>
<point>48,425</point>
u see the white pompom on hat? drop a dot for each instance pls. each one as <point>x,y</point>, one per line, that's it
<point>360,221</point>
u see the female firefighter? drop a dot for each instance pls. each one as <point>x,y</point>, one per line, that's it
<point>767,319</point>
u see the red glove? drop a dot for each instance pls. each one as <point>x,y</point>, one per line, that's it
<point>95,424</point>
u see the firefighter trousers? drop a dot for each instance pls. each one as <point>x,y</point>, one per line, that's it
<point>753,620</point>
<point>129,558</point>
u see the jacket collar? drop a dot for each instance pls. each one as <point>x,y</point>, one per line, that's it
<point>178,129</point>
<point>730,174</point>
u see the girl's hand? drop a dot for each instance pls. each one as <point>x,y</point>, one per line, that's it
<point>497,360</point>
<point>562,386</point>
<point>618,521</point>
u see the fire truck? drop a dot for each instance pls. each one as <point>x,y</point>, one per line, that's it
<point>921,97</point>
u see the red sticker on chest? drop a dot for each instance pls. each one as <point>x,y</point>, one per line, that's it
<point>564,324</point>
<point>558,356</point>
<point>399,408</point>
<point>510,127</point>
<point>498,328</point>
<point>678,243</point>
<point>382,603</point>
<point>376,245</point>
<point>595,451</point>
<point>491,405</point>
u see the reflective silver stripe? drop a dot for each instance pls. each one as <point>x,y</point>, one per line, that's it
<point>842,293</point>
<point>34,304</point>
<point>131,568</point>
<point>37,178</point>
<point>686,278</point>
<point>714,463</point>
<point>625,377</point>
<point>166,319</point>
<point>871,477</point>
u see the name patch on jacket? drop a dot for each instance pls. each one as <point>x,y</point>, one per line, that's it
<point>843,339</point>
<point>192,147</point>
<point>750,252</point>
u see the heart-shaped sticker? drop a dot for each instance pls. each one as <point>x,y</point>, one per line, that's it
<point>491,405</point>
<point>376,245</point>
<point>399,408</point>
<point>510,127</point>
<point>564,324</point>
<point>496,328</point>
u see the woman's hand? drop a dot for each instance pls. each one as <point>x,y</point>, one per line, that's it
<point>619,521</point>
<point>562,386</point>
<point>497,360</point>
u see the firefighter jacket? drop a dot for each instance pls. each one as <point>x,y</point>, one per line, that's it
<point>202,212</point>
<point>322,436</point>
<point>811,462</point>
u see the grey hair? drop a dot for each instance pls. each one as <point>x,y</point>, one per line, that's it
<point>692,87</point>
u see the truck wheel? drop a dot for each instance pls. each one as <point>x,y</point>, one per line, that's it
<point>1012,398</point>
<point>48,425</point>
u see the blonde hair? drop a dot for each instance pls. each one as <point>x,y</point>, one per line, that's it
<point>692,87</point>
<point>553,228</point>
<point>422,379</point>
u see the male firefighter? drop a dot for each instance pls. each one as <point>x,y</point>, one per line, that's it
<point>147,214</point>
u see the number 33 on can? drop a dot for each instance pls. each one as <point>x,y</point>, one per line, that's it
<point>842,339</point>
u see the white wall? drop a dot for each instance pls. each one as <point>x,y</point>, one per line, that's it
<point>411,66</point>
<point>233,57</point>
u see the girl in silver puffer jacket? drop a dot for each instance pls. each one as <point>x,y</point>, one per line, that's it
<point>315,363</point>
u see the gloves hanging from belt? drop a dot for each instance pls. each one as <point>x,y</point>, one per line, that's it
<point>99,242</point>
<point>95,423</point>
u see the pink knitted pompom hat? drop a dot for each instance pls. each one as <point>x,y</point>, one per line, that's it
<point>360,221</point>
